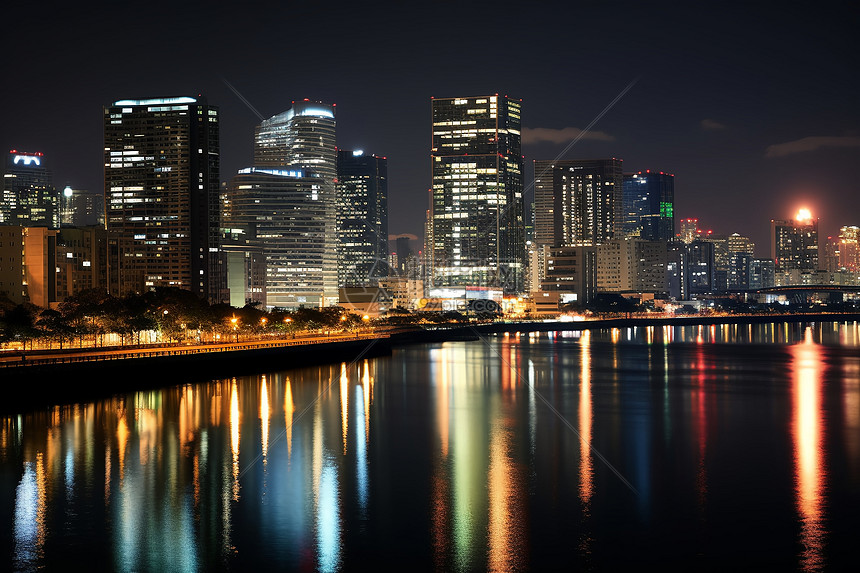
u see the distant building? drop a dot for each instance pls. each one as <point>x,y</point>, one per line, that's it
<point>477,195</point>
<point>649,206</point>
<point>689,230</point>
<point>849,248</point>
<point>572,270</point>
<point>631,265</point>
<point>578,202</point>
<point>81,208</point>
<point>701,266</point>
<point>362,218</point>
<point>29,198</point>
<point>794,244</point>
<point>161,168</point>
<point>761,273</point>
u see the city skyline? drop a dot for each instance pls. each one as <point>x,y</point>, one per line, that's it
<point>715,100</point>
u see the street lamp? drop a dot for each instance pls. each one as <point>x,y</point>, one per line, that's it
<point>234,320</point>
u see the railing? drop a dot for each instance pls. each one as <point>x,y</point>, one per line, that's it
<point>19,361</point>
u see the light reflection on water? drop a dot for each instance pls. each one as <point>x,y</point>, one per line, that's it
<point>444,456</point>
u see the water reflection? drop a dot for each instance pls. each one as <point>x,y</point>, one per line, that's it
<point>445,455</point>
<point>807,432</point>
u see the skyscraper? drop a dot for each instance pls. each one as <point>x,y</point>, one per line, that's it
<point>794,243</point>
<point>285,206</point>
<point>287,215</point>
<point>161,165</point>
<point>477,201</point>
<point>584,199</point>
<point>362,218</point>
<point>649,205</point>
<point>29,198</point>
<point>303,137</point>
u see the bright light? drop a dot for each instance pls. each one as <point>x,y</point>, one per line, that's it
<point>804,214</point>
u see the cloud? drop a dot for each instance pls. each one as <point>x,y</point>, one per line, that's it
<point>712,125</point>
<point>564,135</point>
<point>810,144</point>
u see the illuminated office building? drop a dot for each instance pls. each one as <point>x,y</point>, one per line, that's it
<point>849,248</point>
<point>477,195</point>
<point>161,165</point>
<point>578,202</point>
<point>362,218</point>
<point>29,198</point>
<point>303,137</point>
<point>649,206</point>
<point>288,216</point>
<point>794,243</point>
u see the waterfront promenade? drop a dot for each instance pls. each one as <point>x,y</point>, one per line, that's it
<point>54,376</point>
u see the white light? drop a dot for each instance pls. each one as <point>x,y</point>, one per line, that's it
<point>357,153</point>
<point>67,192</point>
<point>27,159</point>
<point>159,101</point>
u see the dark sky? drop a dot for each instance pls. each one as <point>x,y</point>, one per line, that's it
<point>754,109</point>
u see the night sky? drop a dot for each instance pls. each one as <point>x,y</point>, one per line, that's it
<point>753,109</point>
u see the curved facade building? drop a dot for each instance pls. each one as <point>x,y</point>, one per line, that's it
<point>303,137</point>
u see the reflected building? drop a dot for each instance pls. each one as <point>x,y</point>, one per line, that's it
<point>477,195</point>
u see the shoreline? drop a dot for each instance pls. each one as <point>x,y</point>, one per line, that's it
<point>42,385</point>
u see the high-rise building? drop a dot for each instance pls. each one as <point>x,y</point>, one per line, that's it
<point>362,218</point>
<point>284,209</point>
<point>649,206</point>
<point>161,165</point>
<point>849,248</point>
<point>477,205</point>
<point>794,243</point>
<point>288,216</point>
<point>584,199</point>
<point>303,137</point>
<point>29,198</point>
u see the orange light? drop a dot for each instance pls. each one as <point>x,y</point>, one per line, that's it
<point>803,214</point>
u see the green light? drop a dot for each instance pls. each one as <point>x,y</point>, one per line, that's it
<point>666,209</point>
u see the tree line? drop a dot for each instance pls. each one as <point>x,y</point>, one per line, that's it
<point>176,314</point>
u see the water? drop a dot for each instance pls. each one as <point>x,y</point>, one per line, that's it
<point>680,447</point>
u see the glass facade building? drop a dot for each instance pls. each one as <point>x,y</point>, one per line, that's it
<point>29,197</point>
<point>286,205</point>
<point>362,218</point>
<point>161,166</point>
<point>477,193</point>
<point>288,215</point>
<point>649,205</point>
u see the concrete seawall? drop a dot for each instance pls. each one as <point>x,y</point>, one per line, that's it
<point>43,385</point>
